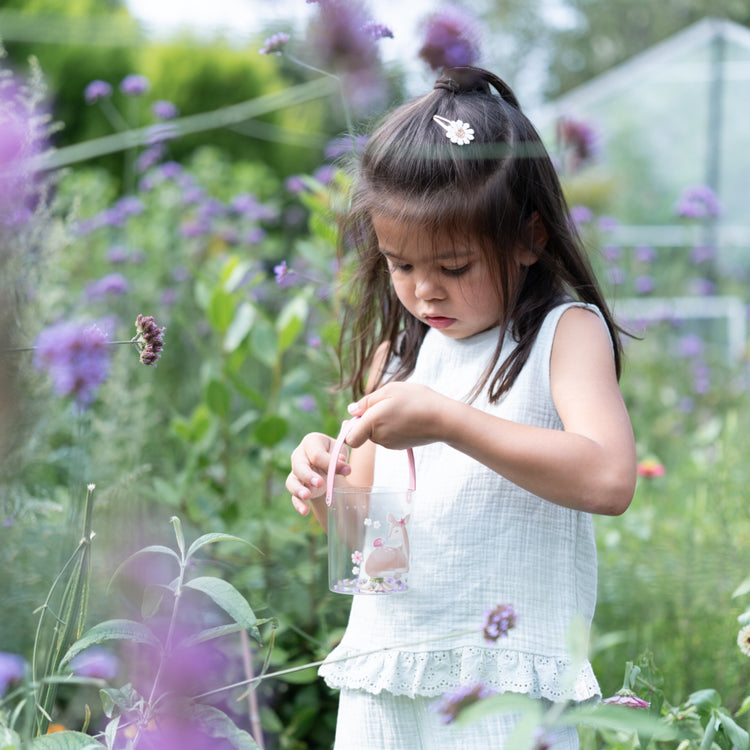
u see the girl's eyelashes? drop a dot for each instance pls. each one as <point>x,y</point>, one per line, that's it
<point>407,267</point>
<point>456,271</point>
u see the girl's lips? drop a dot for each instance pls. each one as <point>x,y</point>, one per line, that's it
<point>437,321</point>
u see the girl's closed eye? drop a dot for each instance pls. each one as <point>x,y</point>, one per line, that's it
<point>456,271</point>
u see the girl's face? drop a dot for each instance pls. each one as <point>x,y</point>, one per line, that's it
<point>441,281</point>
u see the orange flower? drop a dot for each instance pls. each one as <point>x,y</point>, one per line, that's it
<point>650,467</point>
<point>52,728</point>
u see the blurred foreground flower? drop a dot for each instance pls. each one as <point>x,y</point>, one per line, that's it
<point>149,339</point>
<point>499,621</point>
<point>451,38</point>
<point>454,702</point>
<point>12,668</point>
<point>275,44</point>
<point>76,357</point>
<point>698,202</point>
<point>626,697</point>
<point>650,467</point>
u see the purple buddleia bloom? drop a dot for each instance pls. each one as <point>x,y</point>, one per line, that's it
<point>451,38</point>
<point>76,356</point>
<point>135,85</point>
<point>698,202</point>
<point>96,662</point>
<point>130,205</point>
<point>164,110</point>
<point>12,669</point>
<point>275,44</point>
<point>455,701</point>
<point>148,158</point>
<point>111,285</point>
<point>97,90</point>
<point>499,621</point>
<point>170,170</point>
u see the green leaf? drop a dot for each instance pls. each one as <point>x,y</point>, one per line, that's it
<point>303,677</point>
<point>705,700</point>
<point>210,633</point>
<point>229,599</point>
<point>265,343</point>
<point>179,536</point>
<point>737,735</point>
<point>291,321</point>
<point>217,724</point>
<point>241,324</point>
<point>619,718</point>
<point>153,596</point>
<point>112,630</point>
<point>221,310</point>
<point>212,538</point>
<point>157,549</point>
<point>116,701</point>
<point>742,589</point>
<point>271,430</point>
<point>238,271</point>
<point>218,398</point>
<point>65,741</point>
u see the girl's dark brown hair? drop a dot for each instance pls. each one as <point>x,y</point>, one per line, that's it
<point>501,190</point>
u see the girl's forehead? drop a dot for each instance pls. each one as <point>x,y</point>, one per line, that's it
<point>398,236</point>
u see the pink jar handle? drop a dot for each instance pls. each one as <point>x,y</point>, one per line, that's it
<point>345,427</point>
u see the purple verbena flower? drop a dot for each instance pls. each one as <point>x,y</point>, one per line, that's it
<point>149,339</point>
<point>499,621</point>
<point>581,215</point>
<point>148,158</point>
<point>579,140</point>
<point>644,253</point>
<point>612,253</point>
<point>96,662</point>
<point>281,271</point>
<point>378,30</point>
<point>698,202</point>
<point>275,44</point>
<point>111,285</point>
<point>454,702</point>
<point>616,276</point>
<point>164,110</point>
<point>451,38</point>
<point>644,284</point>
<point>295,184</point>
<point>254,235</point>
<point>135,85</point>
<point>76,356</point>
<point>97,90</point>
<point>12,668</point>
<point>691,346</point>
<point>608,223</point>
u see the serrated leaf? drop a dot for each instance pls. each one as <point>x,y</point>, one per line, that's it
<point>113,630</point>
<point>65,741</point>
<point>212,538</point>
<point>229,599</point>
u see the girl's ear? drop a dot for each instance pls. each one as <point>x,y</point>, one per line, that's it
<point>527,256</point>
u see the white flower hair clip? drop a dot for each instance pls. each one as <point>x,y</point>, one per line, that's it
<point>458,132</point>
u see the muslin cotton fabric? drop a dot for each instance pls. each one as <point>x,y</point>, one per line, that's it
<point>477,540</point>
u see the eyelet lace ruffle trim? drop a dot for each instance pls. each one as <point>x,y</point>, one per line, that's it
<point>432,673</point>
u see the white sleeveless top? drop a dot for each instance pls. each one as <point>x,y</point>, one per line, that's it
<point>477,540</point>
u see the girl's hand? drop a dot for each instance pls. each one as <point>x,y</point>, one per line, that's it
<point>307,480</point>
<point>398,416</point>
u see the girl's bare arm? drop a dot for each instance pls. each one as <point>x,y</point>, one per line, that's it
<point>590,465</point>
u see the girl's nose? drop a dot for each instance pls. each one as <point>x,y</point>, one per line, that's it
<point>428,287</point>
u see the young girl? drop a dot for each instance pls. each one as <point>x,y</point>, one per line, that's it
<point>480,338</point>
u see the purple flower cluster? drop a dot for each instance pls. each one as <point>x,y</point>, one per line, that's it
<point>579,140</point>
<point>149,339</point>
<point>275,44</point>
<point>698,202</point>
<point>97,90</point>
<point>135,85</point>
<point>111,285</point>
<point>499,621</point>
<point>76,356</point>
<point>454,702</point>
<point>12,668</point>
<point>451,38</point>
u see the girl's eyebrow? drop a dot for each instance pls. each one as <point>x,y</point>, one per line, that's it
<point>452,255</point>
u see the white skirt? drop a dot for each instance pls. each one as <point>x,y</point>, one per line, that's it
<point>384,721</point>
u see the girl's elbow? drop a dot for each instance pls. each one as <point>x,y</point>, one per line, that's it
<point>617,494</point>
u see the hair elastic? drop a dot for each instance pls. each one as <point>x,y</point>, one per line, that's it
<point>459,132</point>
